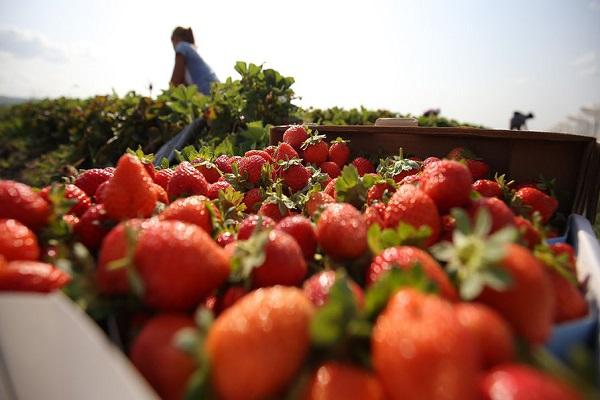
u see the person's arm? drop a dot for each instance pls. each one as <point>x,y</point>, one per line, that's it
<point>178,77</point>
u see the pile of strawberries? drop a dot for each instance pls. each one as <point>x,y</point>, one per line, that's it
<point>298,272</point>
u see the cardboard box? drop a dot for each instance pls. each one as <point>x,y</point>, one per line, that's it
<point>523,155</point>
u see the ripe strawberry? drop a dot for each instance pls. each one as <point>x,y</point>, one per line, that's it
<point>273,334</point>
<point>408,355</point>
<point>502,216</point>
<point>295,176</point>
<point>317,288</point>
<point>530,235</point>
<point>342,231</point>
<point>273,211</point>
<point>17,242</point>
<point>406,257</point>
<point>411,179</point>
<point>520,382</point>
<point>478,169</point>
<point>316,200</point>
<point>18,201</point>
<point>161,194</point>
<point>330,188</point>
<point>363,166</point>
<point>215,188</point>
<point>570,302</point>
<point>186,181</point>
<point>31,276</point>
<point>229,298</point>
<point>285,152</point>
<point>271,150</point>
<point>528,304</point>
<point>303,231</point>
<point>174,249</point>
<point>74,193</point>
<point>93,226</point>
<point>248,225</point>
<point>163,176</point>
<point>315,152</point>
<point>261,153</point>
<point>538,201</point>
<point>193,210</point>
<point>89,180</point>
<point>223,162</point>
<point>335,380</point>
<point>155,354</point>
<point>295,135</point>
<point>100,194</point>
<point>224,238</point>
<point>330,168</point>
<point>375,214</point>
<point>208,169</point>
<point>487,188</point>
<point>412,206</point>
<point>430,160</point>
<point>252,200</point>
<point>565,248</point>
<point>376,192</point>
<point>447,182</point>
<point>490,332</point>
<point>284,263</point>
<point>339,152</point>
<point>129,193</point>
<point>250,168</point>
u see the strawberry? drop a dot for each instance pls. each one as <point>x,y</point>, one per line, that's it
<point>193,210</point>
<point>487,188</point>
<point>376,192</point>
<point>163,176</point>
<point>208,169</point>
<point>330,188</point>
<point>285,152</point>
<point>408,355</point>
<point>250,168</point>
<point>248,225</point>
<point>406,257</point>
<point>570,302</point>
<point>18,201</point>
<point>295,175</point>
<point>271,150</point>
<point>229,298</point>
<point>430,160</point>
<point>215,188</point>
<point>273,211</point>
<point>317,288</point>
<point>339,152</point>
<point>447,182</point>
<point>520,382</point>
<point>252,200</point>
<point>411,179</point>
<point>155,354</point>
<point>330,168</point>
<point>89,180</point>
<point>413,206</point>
<point>530,235</point>
<point>93,226</point>
<point>363,166</point>
<point>100,194</point>
<point>72,192</point>
<point>317,200</point>
<point>336,380</point>
<point>295,135</point>
<point>491,333</point>
<point>538,201</point>
<point>17,242</point>
<point>478,169</point>
<point>565,248</point>
<point>375,214</point>
<point>502,216</point>
<point>186,181</point>
<point>268,328</point>
<point>129,193</point>
<point>161,194</point>
<point>342,231</point>
<point>315,150</point>
<point>302,230</point>
<point>224,238</point>
<point>31,276</point>
<point>223,162</point>
<point>261,153</point>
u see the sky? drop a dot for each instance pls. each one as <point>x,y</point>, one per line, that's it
<point>476,60</point>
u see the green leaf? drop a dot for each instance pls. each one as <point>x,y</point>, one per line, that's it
<point>402,235</point>
<point>249,254</point>
<point>483,222</point>
<point>462,220</point>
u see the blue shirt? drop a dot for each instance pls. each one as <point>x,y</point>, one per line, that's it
<point>197,71</point>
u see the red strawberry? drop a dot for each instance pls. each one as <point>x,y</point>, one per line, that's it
<point>18,201</point>
<point>74,193</point>
<point>215,188</point>
<point>229,298</point>
<point>155,354</point>
<point>406,257</point>
<point>223,162</point>
<point>376,192</point>
<point>163,176</point>
<point>538,201</point>
<point>530,235</point>
<point>295,176</point>
<point>338,380</point>
<point>303,231</point>
<point>330,168</point>
<point>489,330</point>
<point>30,276</point>
<point>261,153</point>
<point>93,226</point>
<point>315,152</point>
<point>252,200</point>
<point>271,150</point>
<point>478,169</point>
<point>330,188</point>
<point>17,242</point>
<point>208,169</point>
<point>284,263</point>
<point>447,182</point>
<point>249,224</point>
<point>186,181</point>
<point>285,152</point>
<point>375,214</point>
<point>100,194</point>
<point>317,288</point>
<point>411,179</point>
<point>342,231</point>
<point>339,152</point>
<point>570,303</point>
<point>193,210</point>
<point>412,206</point>
<point>430,160</point>
<point>129,193</point>
<point>502,216</point>
<point>161,194</point>
<point>316,200</point>
<point>565,248</point>
<point>363,166</point>
<point>149,167</point>
<point>273,211</point>
<point>89,180</point>
<point>520,382</point>
<point>295,135</point>
<point>223,239</point>
<point>487,188</point>
<point>421,351</point>
<point>250,168</point>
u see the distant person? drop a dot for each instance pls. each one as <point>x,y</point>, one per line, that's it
<point>519,121</point>
<point>432,112</point>
<point>190,68</point>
